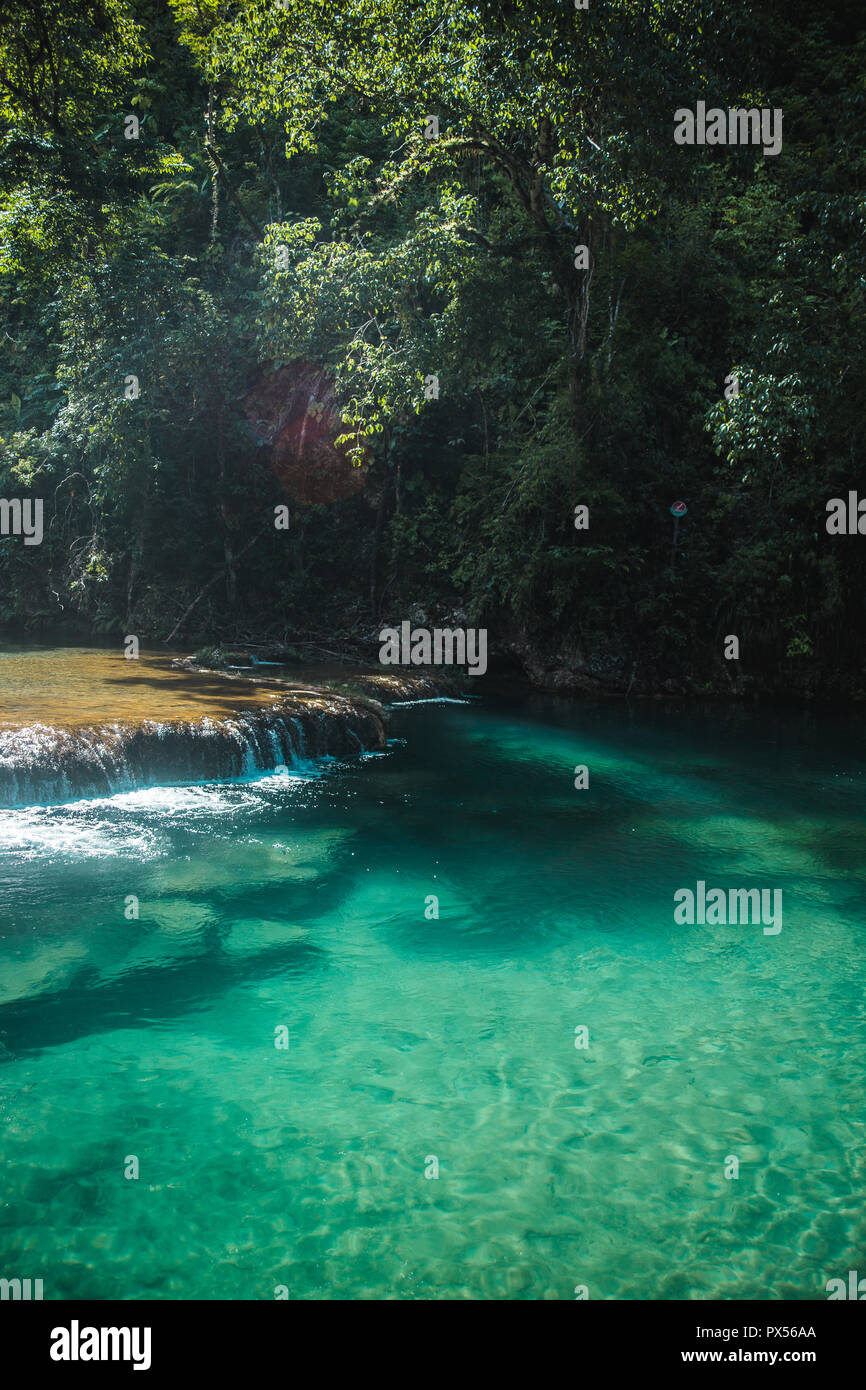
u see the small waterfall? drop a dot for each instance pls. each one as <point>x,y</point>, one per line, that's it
<point>40,765</point>
<point>277,751</point>
<point>298,731</point>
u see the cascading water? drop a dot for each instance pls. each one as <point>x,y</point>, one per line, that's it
<point>42,765</point>
<point>84,722</point>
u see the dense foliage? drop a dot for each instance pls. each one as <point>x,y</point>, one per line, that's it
<point>281,201</point>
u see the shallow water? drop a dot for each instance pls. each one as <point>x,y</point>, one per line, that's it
<point>299,901</point>
<point>70,687</point>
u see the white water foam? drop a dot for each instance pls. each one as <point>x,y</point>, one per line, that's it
<point>46,832</point>
<point>433,700</point>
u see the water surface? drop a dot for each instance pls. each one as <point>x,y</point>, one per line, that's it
<point>299,901</point>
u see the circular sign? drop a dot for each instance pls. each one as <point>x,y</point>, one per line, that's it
<point>679,509</point>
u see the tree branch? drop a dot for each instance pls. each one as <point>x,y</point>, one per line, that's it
<point>210,583</point>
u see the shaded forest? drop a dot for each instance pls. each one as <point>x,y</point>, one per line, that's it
<point>297,341</point>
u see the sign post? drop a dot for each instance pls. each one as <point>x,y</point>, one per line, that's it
<point>677,510</point>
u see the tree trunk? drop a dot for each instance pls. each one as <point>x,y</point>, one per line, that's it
<point>225,509</point>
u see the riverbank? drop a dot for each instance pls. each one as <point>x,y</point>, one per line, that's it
<point>608,669</point>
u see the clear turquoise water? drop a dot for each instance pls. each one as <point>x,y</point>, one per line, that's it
<point>301,902</point>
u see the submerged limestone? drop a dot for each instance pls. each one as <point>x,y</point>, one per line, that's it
<point>123,725</point>
<point>83,722</point>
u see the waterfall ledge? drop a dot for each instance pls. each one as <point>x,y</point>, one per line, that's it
<point>42,764</point>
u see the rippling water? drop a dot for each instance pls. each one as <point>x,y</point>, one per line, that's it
<point>299,902</point>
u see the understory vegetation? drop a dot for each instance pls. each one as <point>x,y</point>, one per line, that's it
<point>199,198</point>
